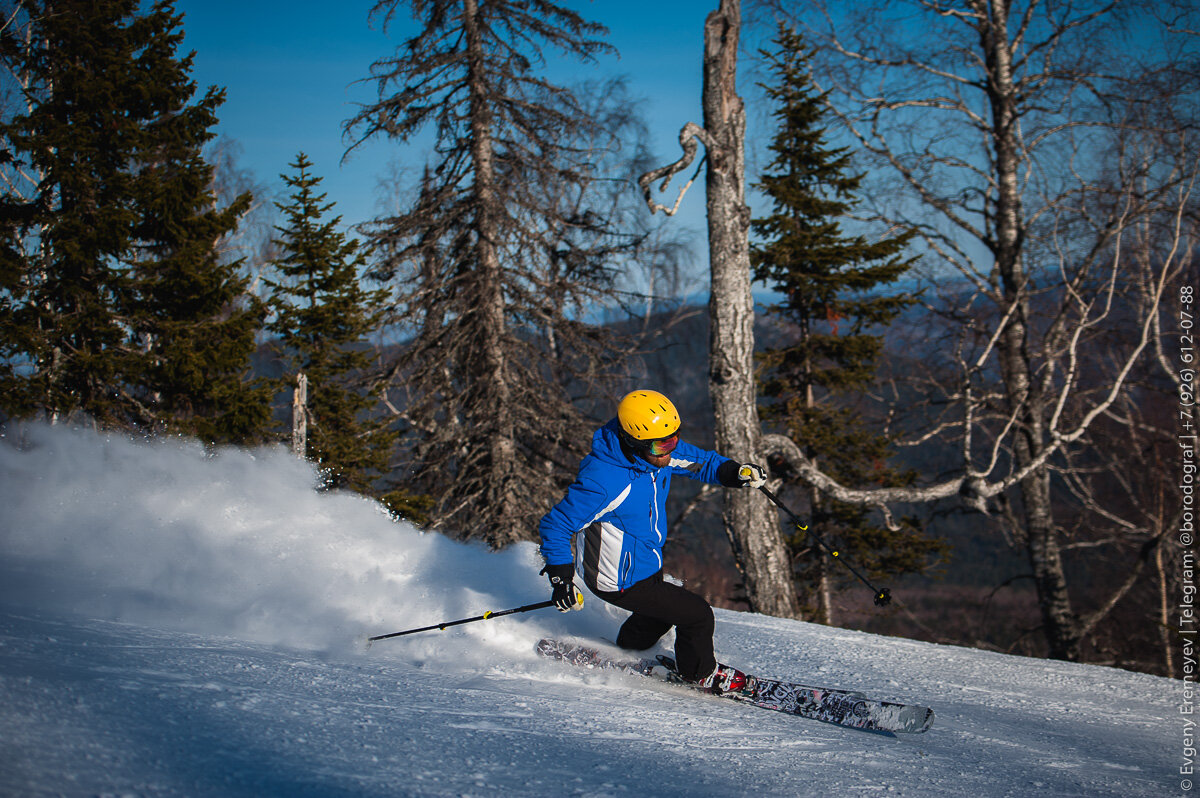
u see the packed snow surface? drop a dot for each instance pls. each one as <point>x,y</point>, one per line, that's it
<point>176,621</point>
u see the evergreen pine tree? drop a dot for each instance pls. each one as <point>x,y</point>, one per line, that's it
<point>119,306</point>
<point>193,310</point>
<point>830,284</point>
<point>66,228</point>
<point>322,318</point>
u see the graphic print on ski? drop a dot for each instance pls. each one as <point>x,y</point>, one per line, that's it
<point>843,707</point>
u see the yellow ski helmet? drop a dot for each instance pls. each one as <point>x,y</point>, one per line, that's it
<point>647,415</point>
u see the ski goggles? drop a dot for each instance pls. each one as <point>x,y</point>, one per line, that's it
<point>661,446</point>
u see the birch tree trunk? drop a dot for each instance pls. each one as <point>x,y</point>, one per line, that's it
<point>1060,624</point>
<point>750,521</point>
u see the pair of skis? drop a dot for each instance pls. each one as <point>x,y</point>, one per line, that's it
<point>843,707</point>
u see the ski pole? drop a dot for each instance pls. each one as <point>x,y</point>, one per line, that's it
<point>527,608</point>
<point>883,596</point>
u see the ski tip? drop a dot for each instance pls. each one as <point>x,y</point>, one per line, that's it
<point>919,722</point>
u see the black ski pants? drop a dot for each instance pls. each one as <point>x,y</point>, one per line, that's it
<point>657,606</point>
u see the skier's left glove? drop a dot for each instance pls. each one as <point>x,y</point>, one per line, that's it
<point>564,595</point>
<point>752,475</point>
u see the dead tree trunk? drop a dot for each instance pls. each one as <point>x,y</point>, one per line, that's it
<point>492,379</point>
<point>300,416</point>
<point>750,521</point>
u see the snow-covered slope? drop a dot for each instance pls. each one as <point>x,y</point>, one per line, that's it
<point>182,622</point>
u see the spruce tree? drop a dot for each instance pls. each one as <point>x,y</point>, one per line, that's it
<point>193,309</point>
<point>67,220</point>
<point>121,308</point>
<point>322,319</point>
<point>833,303</point>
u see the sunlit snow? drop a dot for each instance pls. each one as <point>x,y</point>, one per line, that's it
<point>176,621</point>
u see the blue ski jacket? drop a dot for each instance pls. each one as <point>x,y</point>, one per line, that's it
<point>618,502</point>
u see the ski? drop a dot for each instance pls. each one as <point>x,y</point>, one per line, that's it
<point>591,658</point>
<point>831,705</point>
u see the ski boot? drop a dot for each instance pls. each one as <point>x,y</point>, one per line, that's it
<point>723,679</point>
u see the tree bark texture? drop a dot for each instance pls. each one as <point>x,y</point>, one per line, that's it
<point>300,416</point>
<point>1060,624</point>
<point>493,377</point>
<point>750,521</point>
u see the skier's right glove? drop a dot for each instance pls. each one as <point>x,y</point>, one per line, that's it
<point>752,475</point>
<point>564,596</point>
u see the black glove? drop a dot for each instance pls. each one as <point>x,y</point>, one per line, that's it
<point>565,596</point>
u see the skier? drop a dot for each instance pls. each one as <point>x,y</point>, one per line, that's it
<point>618,501</point>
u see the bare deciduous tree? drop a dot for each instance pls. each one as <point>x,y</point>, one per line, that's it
<point>1033,151</point>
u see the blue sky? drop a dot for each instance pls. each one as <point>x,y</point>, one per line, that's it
<point>291,70</point>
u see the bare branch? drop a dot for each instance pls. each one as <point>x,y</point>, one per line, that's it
<point>689,135</point>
